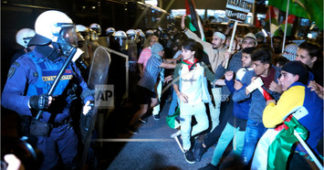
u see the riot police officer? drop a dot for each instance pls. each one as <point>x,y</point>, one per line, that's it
<point>109,33</point>
<point>32,76</point>
<point>140,40</point>
<point>120,39</point>
<point>23,36</point>
<point>97,31</point>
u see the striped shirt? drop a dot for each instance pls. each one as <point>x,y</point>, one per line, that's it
<point>151,73</point>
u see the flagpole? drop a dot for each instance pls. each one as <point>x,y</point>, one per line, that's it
<point>201,30</point>
<point>270,28</point>
<point>311,154</point>
<point>231,43</point>
<point>284,40</point>
<point>233,35</point>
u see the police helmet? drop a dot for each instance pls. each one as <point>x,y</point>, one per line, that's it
<point>120,34</point>
<point>131,32</point>
<point>96,27</point>
<point>140,33</point>
<point>49,26</point>
<point>81,28</point>
<point>110,30</point>
<point>24,35</point>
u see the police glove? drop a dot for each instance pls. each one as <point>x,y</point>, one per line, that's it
<point>40,102</point>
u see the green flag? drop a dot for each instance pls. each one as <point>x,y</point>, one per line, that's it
<point>189,24</point>
<point>311,9</point>
<point>172,119</point>
<point>280,148</point>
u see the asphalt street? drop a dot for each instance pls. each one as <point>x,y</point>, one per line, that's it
<point>154,148</point>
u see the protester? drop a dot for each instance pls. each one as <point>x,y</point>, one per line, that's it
<point>298,101</point>
<point>262,75</point>
<point>235,128</point>
<point>216,55</point>
<point>234,65</point>
<point>191,89</point>
<point>311,55</point>
<point>146,53</point>
<point>145,89</point>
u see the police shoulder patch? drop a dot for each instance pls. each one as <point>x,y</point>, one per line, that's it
<point>11,72</point>
<point>16,64</point>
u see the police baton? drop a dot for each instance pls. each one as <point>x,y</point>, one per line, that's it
<point>74,55</point>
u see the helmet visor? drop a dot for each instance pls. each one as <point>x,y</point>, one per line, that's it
<point>69,35</point>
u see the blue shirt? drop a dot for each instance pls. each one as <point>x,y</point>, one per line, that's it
<point>258,103</point>
<point>240,108</point>
<point>234,64</point>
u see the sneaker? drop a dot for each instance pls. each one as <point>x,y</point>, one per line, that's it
<point>199,150</point>
<point>209,167</point>
<point>189,157</point>
<point>156,117</point>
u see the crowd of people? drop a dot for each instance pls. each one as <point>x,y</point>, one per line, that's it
<point>265,93</point>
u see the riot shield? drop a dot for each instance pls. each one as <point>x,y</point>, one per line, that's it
<point>98,75</point>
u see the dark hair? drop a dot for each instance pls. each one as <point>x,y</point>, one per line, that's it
<point>193,45</point>
<point>280,60</point>
<point>313,49</point>
<point>262,54</point>
<point>178,39</point>
<point>248,50</point>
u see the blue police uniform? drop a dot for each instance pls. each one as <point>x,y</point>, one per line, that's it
<point>33,74</point>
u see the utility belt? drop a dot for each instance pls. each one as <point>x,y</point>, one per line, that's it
<point>39,128</point>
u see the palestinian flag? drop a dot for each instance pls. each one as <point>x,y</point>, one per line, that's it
<point>272,19</point>
<point>291,19</point>
<point>273,14</point>
<point>193,21</point>
<point>311,9</point>
<point>278,30</point>
<point>275,145</point>
<point>280,149</point>
<point>172,120</point>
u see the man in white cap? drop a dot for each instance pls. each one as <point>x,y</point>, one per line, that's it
<point>215,50</point>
